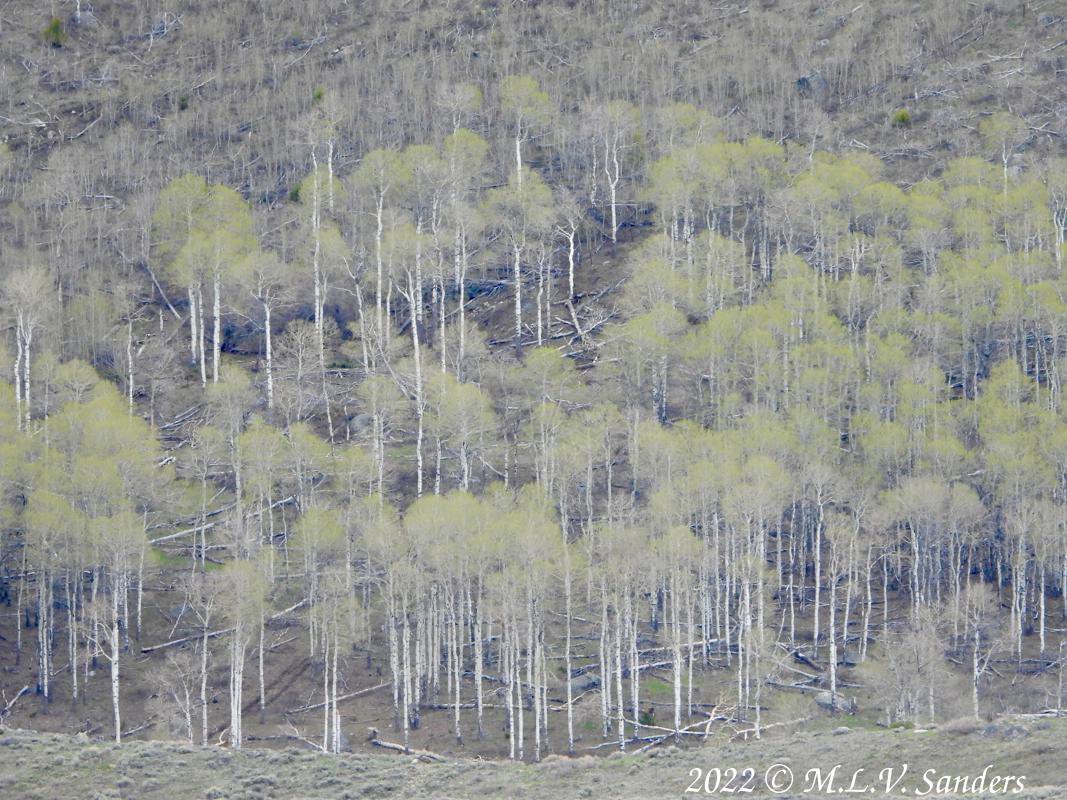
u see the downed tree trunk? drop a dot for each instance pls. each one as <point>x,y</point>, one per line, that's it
<point>209,525</point>
<point>424,754</point>
<point>7,709</point>
<point>348,696</point>
<point>751,731</point>
<point>213,634</point>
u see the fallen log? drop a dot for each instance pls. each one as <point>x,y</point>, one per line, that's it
<point>671,733</point>
<point>213,634</point>
<point>377,742</point>
<point>9,706</point>
<point>752,731</point>
<point>209,525</point>
<point>348,696</point>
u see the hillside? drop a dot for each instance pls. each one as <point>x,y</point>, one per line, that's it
<point>51,766</point>
<point>526,379</point>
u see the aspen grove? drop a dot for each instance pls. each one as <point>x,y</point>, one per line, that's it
<point>574,420</point>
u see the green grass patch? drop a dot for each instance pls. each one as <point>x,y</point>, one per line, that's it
<point>657,689</point>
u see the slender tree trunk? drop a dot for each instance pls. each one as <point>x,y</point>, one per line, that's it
<point>975,672</point>
<point>413,299</point>
<point>27,338</point>
<point>833,642</point>
<point>478,658</point>
<point>817,552</point>
<point>567,651</point>
<point>115,647</point>
<point>237,669</point>
<point>216,330</point>
<point>676,651</point>
<point>18,375</point>
<point>129,361</point>
<point>268,352</point>
<point>262,681</point>
<point>517,278</point>
<point>201,343</point>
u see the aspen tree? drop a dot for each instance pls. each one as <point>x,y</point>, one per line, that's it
<point>619,123</point>
<point>977,609</point>
<point>463,423</point>
<point>1001,133</point>
<point>384,175</point>
<point>268,281</point>
<point>244,589</point>
<point>677,550</point>
<point>464,153</point>
<point>520,211</point>
<point>26,294</point>
<point>53,528</point>
<point>177,215</point>
<point>527,108</point>
<point>121,539</point>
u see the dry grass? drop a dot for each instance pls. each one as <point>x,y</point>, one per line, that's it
<point>35,765</point>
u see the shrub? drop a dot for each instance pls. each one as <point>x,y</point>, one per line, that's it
<point>54,34</point>
<point>294,194</point>
<point>963,726</point>
<point>901,118</point>
<point>183,102</point>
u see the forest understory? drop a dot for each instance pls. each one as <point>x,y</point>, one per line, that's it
<point>519,380</point>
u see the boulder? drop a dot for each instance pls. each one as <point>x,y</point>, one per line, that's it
<point>839,704</point>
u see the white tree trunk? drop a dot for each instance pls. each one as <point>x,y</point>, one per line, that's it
<point>18,386</point>
<point>27,338</point>
<point>518,160</point>
<point>201,359</point>
<point>833,641</point>
<point>268,352</point>
<point>517,277</point>
<point>237,673</point>
<point>478,659</point>
<point>129,362</point>
<point>192,324</point>
<point>413,299</point>
<point>115,646</point>
<point>203,686</point>
<point>216,327</point>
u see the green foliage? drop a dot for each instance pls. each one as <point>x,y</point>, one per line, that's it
<point>901,118</point>
<point>54,33</point>
<point>655,689</point>
<point>522,97</point>
<point>794,355</point>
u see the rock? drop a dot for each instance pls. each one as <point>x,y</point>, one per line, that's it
<point>844,729</point>
<point>813,85</point>
<point>583,683</point>
<point>360,422</point>
<point>1014,732</point>
<point>840,703</point>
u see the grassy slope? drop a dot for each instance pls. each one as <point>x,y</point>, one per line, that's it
<point>35,765</point>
